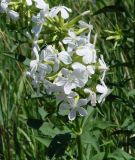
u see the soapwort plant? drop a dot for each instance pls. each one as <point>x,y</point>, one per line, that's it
<point>68,68</point>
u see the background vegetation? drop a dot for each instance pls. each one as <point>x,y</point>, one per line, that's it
<point>30,127</point>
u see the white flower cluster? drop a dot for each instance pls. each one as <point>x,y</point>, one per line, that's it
<point>75,73</point>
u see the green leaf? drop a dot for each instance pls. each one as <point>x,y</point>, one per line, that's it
<point>34,123</point>
<point>119,154</point>
<point>103,124</point>
<point>99,156</point>
<point>125,155</point>
<point>89,139</point>
<point>58,145</point>
<point>45,141</point>
<point>131,93</point>
<point>23,59</point>
<point>48,129</point>
<point>42,112</point>
<point>127,122</point>
<point>21,86</point>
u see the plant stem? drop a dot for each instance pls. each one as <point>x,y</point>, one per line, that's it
<point>78,140</point>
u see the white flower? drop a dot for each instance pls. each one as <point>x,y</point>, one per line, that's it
<point>13,15</point>
<point>91,97</point>
<point>61,96</point>
<point>41,4</point>
<point>88,53</point>
<point>48,55</point>
<point>85,25</point>
<point>62,9</point>
<point>39,20</point>
<point>38,66</point>
<point>74,104</point>
<point>102,88</point>
<point>4,8</point>
<point>4,5</point>
<point>29,2</point>
<point>71,79</point>
<point>65,57</point>
<point>90,69</point>
<point>50,87</point>
<point>102,63</point>
<point>102,66</point>
<point>73,40</point>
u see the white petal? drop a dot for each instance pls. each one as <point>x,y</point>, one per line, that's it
<point>60,81</point>
<point>56,66</point>
<point>45,67</point>
<point>35,50</point>
<point>33,63</point>
<point>36,30</point>
<point>79,83</point>
<point>3,7</point>
<point>85,25</point>
<point>80,76</point>
<point>65,57</point>
<point>41,4</point>
<point>64,106</point>
<point>82,102</point>
<point>29,2</point>
<point>101,88</point>
<point>67,40</point>
<point>68,9</point>
<point>90,69</point>
<point>36,19</point>
<point>68,87</point>
<point>65,72</point>
<point>54,11</point>
<point>88,58</point>
<point>33,66</point>
<point>72,115</point>
<point>78,65</point>
<point>81,52</point>
<point>82,111</point>
<point>101,98</point>
<point>14,15</point>
<point>64,13</point>
<point>72,34</point>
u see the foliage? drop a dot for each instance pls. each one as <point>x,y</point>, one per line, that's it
<point>31,126</point>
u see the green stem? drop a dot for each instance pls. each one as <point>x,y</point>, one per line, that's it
<point>78,140</point>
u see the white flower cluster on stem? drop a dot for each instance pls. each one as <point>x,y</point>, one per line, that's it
<point>75,73</point>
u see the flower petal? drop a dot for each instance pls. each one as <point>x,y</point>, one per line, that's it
<point>72,115</point>
<point>64,106</point>
<point>82,111</point>
<point>29,2</point>
<point>65,57</point>
<point>82,102</point>
<point>13,15</point>
<point>67,88</point>
<point>60,81</point>
<point>54,11</point>
<point>41,4</point>
<point>78,65</point>
<point>90,69</point>
<point>64,13</point>
<point>65,72</point>
<point>101,88</point>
